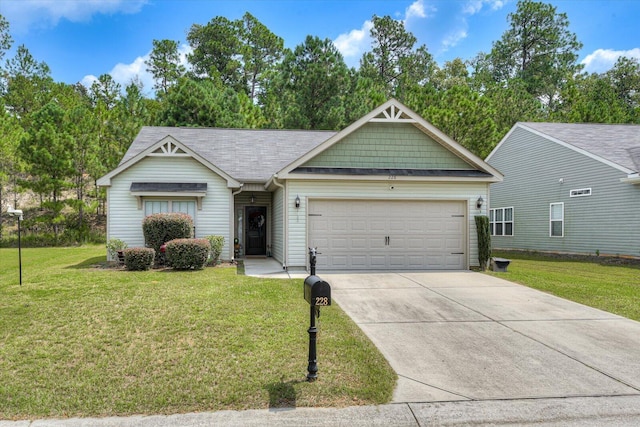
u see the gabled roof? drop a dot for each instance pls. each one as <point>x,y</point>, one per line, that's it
<point>246,155</point>
<point>255,156</point>
<point>393,111</point>
<point>615,144</point>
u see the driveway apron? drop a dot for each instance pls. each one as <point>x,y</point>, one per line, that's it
<point>455,336</point>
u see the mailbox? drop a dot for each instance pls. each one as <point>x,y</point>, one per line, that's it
<point>317,292</point>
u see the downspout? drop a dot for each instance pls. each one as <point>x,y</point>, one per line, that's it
<point>233,220</point>
<point>285,215</point>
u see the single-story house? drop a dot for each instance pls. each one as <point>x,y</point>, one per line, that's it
<point>390,191</point>
<point>568,188</point>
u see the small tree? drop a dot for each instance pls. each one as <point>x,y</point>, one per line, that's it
<point>484,241</point>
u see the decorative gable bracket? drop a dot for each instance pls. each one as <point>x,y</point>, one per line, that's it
<point>169,148</point>
<point>393,114</point>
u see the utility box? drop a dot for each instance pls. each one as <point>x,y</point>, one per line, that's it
<point>317,292</point>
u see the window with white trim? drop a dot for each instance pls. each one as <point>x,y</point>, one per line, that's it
<point>164,206</point>
<point>556,219</point>
<point>501,221</point>
<point>581,192</point>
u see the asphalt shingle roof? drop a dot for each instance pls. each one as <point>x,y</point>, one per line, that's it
<point>619,144</point>
<point>247,155</point>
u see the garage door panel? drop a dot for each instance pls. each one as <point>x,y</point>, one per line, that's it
<point>375,235</point>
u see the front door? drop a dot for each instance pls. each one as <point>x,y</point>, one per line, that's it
<point>256,230</point>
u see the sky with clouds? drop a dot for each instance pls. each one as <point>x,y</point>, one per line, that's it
<point>82,39</point>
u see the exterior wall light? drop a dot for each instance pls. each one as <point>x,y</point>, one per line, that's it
<point>479,202</point>
<point>297,201</point>
<point>253,199</point>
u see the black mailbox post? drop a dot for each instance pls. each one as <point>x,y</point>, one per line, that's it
<point>317,293</point>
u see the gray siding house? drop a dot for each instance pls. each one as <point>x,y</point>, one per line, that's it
<point>389,191</point>
<point>568,188</point>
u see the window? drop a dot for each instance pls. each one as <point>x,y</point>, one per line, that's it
<point>556,220</point>
<point>580,192</point>
<point>164,206</point>
<point>501,221</point>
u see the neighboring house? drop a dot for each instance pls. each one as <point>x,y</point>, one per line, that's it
<point>569,188</point>
<point>388,192</point>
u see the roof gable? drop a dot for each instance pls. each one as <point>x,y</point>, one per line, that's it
<point>165,147</point>
<point>615,145</point>
<point>353,148</point>
<point>388,145</point>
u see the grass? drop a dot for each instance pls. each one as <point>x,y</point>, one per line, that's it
<point>597,283</point>
<point>78,340</point>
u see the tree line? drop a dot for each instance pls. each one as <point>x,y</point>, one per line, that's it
<point>57,139</point>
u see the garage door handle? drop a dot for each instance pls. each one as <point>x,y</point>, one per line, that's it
<point>457,253</point>
<point>387,240</point>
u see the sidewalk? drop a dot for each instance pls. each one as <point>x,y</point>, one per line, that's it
<point>578,411</point>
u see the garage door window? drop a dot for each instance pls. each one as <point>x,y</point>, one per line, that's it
<point>501,221</point>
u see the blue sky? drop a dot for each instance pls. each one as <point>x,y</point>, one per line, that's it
<point>82,39</point>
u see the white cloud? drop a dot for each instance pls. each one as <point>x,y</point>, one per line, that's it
<point>124,74</point>
<point>453,38</point>
<point>604,59</point>
<point>23,14</point>
<point>471,7</point>
<point>355,42</point>
<point>418,9</point>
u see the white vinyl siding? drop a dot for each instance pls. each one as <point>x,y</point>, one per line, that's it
<point>125,217</point>
<point>556,220</point>
<point>501,221</point>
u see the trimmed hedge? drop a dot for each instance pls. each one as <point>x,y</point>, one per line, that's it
<point>138,259</point>
<point>160,228</point>
<point>217,243</point>
<point>484,241</point>
<point>185,254</point>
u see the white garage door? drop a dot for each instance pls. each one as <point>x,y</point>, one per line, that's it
<point>388,235</point>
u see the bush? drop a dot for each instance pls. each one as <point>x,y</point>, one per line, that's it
<point>160,228</point>
<point>217,243</point>
<point>184,254</point>
<point>484,241</point>
<point>138,259</point>
<point>114,246</point>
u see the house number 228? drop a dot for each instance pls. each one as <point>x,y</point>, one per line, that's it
<point>392,177</point>
<point>322,301</point>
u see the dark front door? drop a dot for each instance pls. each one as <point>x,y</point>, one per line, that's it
<point>256,230</point>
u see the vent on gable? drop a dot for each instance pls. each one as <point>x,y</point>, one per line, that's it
<point>168,149</point>
<point>581,192</point>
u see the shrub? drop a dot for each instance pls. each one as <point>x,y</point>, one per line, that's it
<point>160,228</point>
<point>136,259</point>
<point>114,246</point>
<point>217,243</point>
<point>184,254</point>
<point>484,241</point>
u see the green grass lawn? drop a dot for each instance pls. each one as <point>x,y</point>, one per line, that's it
<point>605,285</point>
<point>77,340</point>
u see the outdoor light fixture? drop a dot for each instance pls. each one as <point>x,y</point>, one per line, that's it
<point>297,201</point>
<point>17,212</point>
<point>253,199</point>
<point>479,202</point>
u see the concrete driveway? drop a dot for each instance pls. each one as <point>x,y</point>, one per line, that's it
<point>459,336</point>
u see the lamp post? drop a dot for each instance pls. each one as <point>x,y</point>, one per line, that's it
<point>18,213</point>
